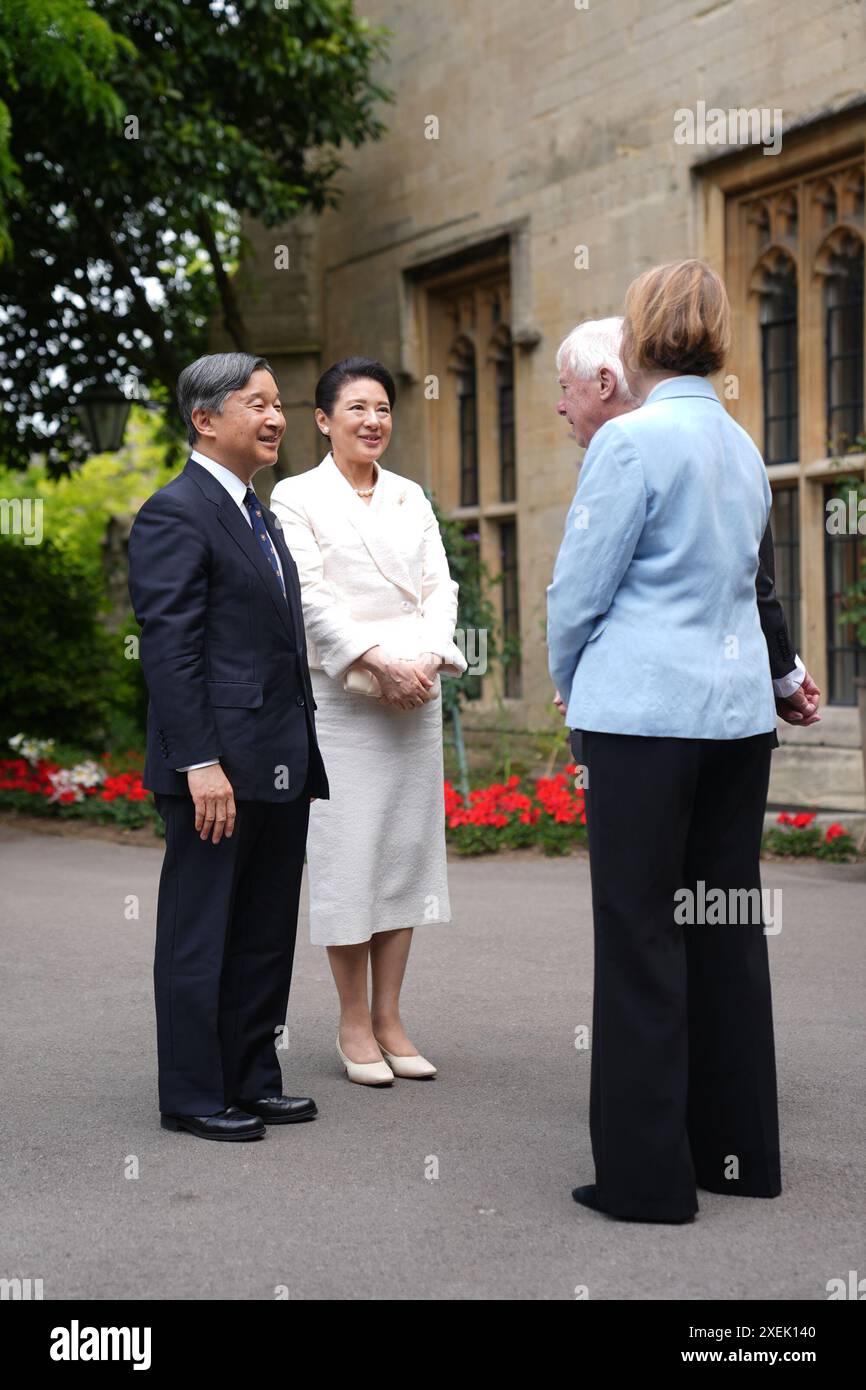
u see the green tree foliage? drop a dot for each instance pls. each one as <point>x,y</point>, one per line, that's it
<point>59,53</point>
<point>475,609</point>
<point>64,675</point>
<point>77,509</point>
<point>59,677</point>
<point>133,139</point>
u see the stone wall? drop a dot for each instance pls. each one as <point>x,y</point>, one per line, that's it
<point>556,127</point>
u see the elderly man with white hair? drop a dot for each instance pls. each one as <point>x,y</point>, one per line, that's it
<point>595,390</point>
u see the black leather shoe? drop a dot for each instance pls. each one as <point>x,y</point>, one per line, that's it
<point>281,1110</point>
<point>226,1124</point>
<point>588,1197</point>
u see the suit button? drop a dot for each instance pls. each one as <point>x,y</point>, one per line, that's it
<point>407,605</point>
<point>301,700</point>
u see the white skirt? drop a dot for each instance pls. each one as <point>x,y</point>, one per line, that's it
<point>376,850</point>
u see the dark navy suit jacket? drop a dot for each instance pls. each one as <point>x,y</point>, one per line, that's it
<point>223,652</point>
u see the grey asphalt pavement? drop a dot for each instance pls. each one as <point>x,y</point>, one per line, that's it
<point>99,1202</point>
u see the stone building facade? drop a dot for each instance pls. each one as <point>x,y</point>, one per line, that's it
<point>538,158</point>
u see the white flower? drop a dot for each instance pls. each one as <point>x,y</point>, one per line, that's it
<point>87,774</point>
<point>33,750</point>
<point>75,780</point>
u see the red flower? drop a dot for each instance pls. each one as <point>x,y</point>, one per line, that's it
<point>834,831</point>
<point>502,803</point>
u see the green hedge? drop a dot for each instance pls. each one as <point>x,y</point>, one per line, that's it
<point>63,675</point>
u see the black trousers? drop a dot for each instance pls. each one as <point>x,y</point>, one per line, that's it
<point>683,1079</point>
<point>225,943</point>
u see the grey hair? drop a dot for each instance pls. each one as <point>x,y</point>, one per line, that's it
<point>205,383</point>
<point>594,344</point>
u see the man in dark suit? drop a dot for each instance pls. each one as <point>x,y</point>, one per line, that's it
<point>232,756</point>
<point>594,390</point>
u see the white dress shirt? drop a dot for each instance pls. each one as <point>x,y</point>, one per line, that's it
<point>237,490</point>
<point>786,685</point>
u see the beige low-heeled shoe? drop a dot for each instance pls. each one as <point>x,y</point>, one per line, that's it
<point>366,1073</point>
<point>411,1068</point>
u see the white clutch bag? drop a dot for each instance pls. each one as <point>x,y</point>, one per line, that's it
<point>360,682</point>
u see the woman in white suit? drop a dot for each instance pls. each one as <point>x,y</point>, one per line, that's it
<point>380,609</point>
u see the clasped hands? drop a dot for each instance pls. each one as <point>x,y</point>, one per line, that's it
<point>404,684</point>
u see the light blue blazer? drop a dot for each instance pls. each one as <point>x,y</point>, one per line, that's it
<point>652,617</point>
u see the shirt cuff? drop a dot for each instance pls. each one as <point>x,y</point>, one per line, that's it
<point>454,663</point>
<point>192,766</point>
<point>786,685</point>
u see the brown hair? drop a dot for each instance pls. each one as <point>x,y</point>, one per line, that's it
<point>677,319</point>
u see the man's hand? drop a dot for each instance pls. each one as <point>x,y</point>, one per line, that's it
<point>801,707</point>
<point>559,703</point>
<point>214,800</point>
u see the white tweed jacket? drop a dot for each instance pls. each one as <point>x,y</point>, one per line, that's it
<point>371,573</point>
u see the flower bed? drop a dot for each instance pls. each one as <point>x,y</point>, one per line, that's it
<point>551,816</point>
<point>799,836</point>
<point>109,791</point>
<point>502,817</point>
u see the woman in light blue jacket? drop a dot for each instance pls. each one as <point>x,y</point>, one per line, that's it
<point>656,645</point>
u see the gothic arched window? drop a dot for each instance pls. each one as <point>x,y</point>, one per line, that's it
<point>777,286</point>
<point>463,361</point>
<point>841,262</point>
<point>503,355</point>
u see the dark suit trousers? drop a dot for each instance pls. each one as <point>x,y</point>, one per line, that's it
<point>225,943</point>
<point>683,1079</point>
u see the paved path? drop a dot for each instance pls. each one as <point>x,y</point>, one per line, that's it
<point>341,1208</point>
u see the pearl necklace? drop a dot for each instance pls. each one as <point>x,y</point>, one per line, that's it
<point>361,491</point>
